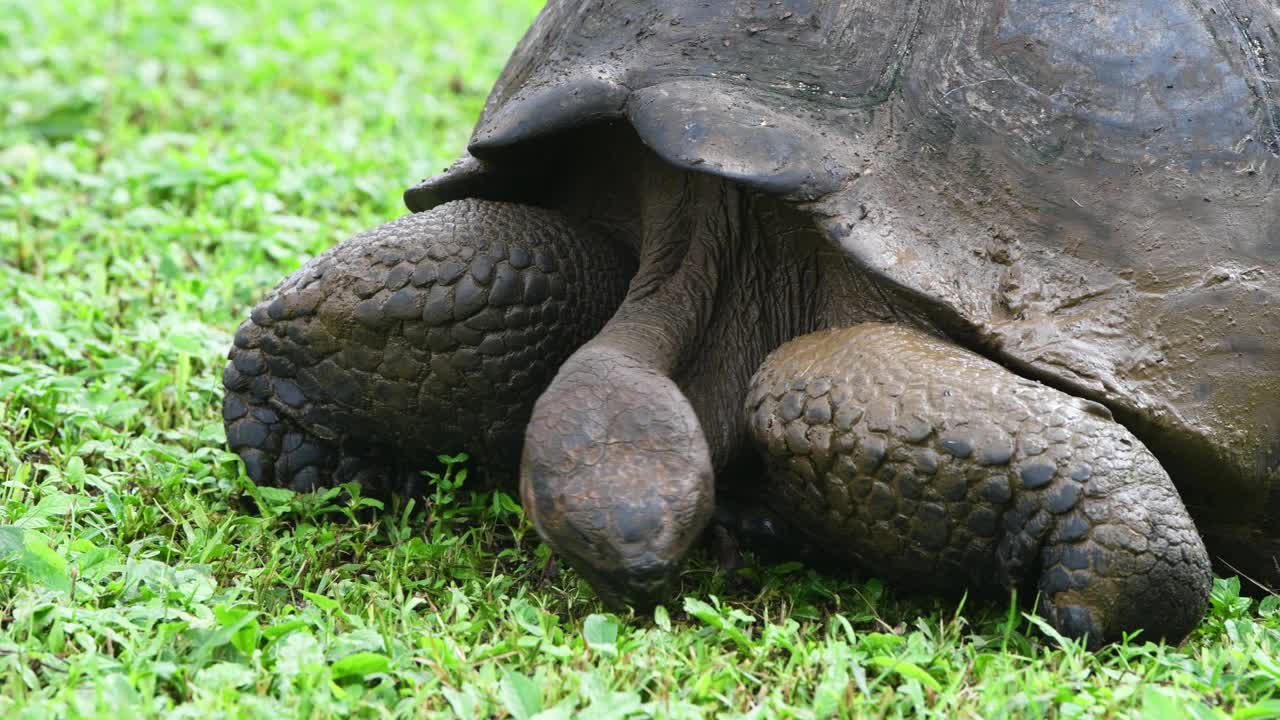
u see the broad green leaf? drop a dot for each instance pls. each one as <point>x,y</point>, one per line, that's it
<point>362,664</point>
<point>520,696</point>
<point>232,624</point>
<point>45,566</point>
<point>711,616</point>
<point>526,616</point>
<point>662,618</point>
<point>276,497</point>
<point>907,670</point>
<point>320,601</point>
<point>601,633</point>
<point>221,675</point>
<point>54,504</point>
<point>298,653</point>
<point>464,702</point>
<point>247,631</point>
<point>11,541</point>
<point>283,628</point>
<point>1061,640</point>
<point>880,642</point>
<point>1269,605</point>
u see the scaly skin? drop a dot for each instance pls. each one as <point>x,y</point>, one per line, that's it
<point>432,333</point>
<point>616,474</point>
<point>918,459</point>
<point>936,467</point>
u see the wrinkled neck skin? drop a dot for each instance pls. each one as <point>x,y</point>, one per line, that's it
<point>725,277</point>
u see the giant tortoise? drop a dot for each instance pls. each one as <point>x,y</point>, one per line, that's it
<point>967,294</point>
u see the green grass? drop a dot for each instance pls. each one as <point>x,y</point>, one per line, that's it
<point>161,166</point>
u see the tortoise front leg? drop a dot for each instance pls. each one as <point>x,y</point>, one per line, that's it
<point>939,468</point>
<point>433,333</point>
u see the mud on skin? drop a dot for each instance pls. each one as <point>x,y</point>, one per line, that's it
<point>945,238</point>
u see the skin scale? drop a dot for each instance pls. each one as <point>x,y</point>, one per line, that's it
<point>978,295</point>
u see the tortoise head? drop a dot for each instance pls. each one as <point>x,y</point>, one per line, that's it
<point>616,475</point>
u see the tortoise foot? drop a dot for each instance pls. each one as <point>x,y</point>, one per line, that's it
<point>431,334</point>
<point>278,451</point>
<point>933,466</point>
<point>743,523</point>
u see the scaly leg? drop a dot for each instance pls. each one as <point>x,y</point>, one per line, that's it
<point>433,333</point>
<point>927,463</point>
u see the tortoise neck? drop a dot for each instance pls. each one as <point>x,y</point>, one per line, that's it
<point>688,250</point>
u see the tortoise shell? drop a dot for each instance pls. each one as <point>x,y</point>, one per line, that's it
<point>1084,192</point>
